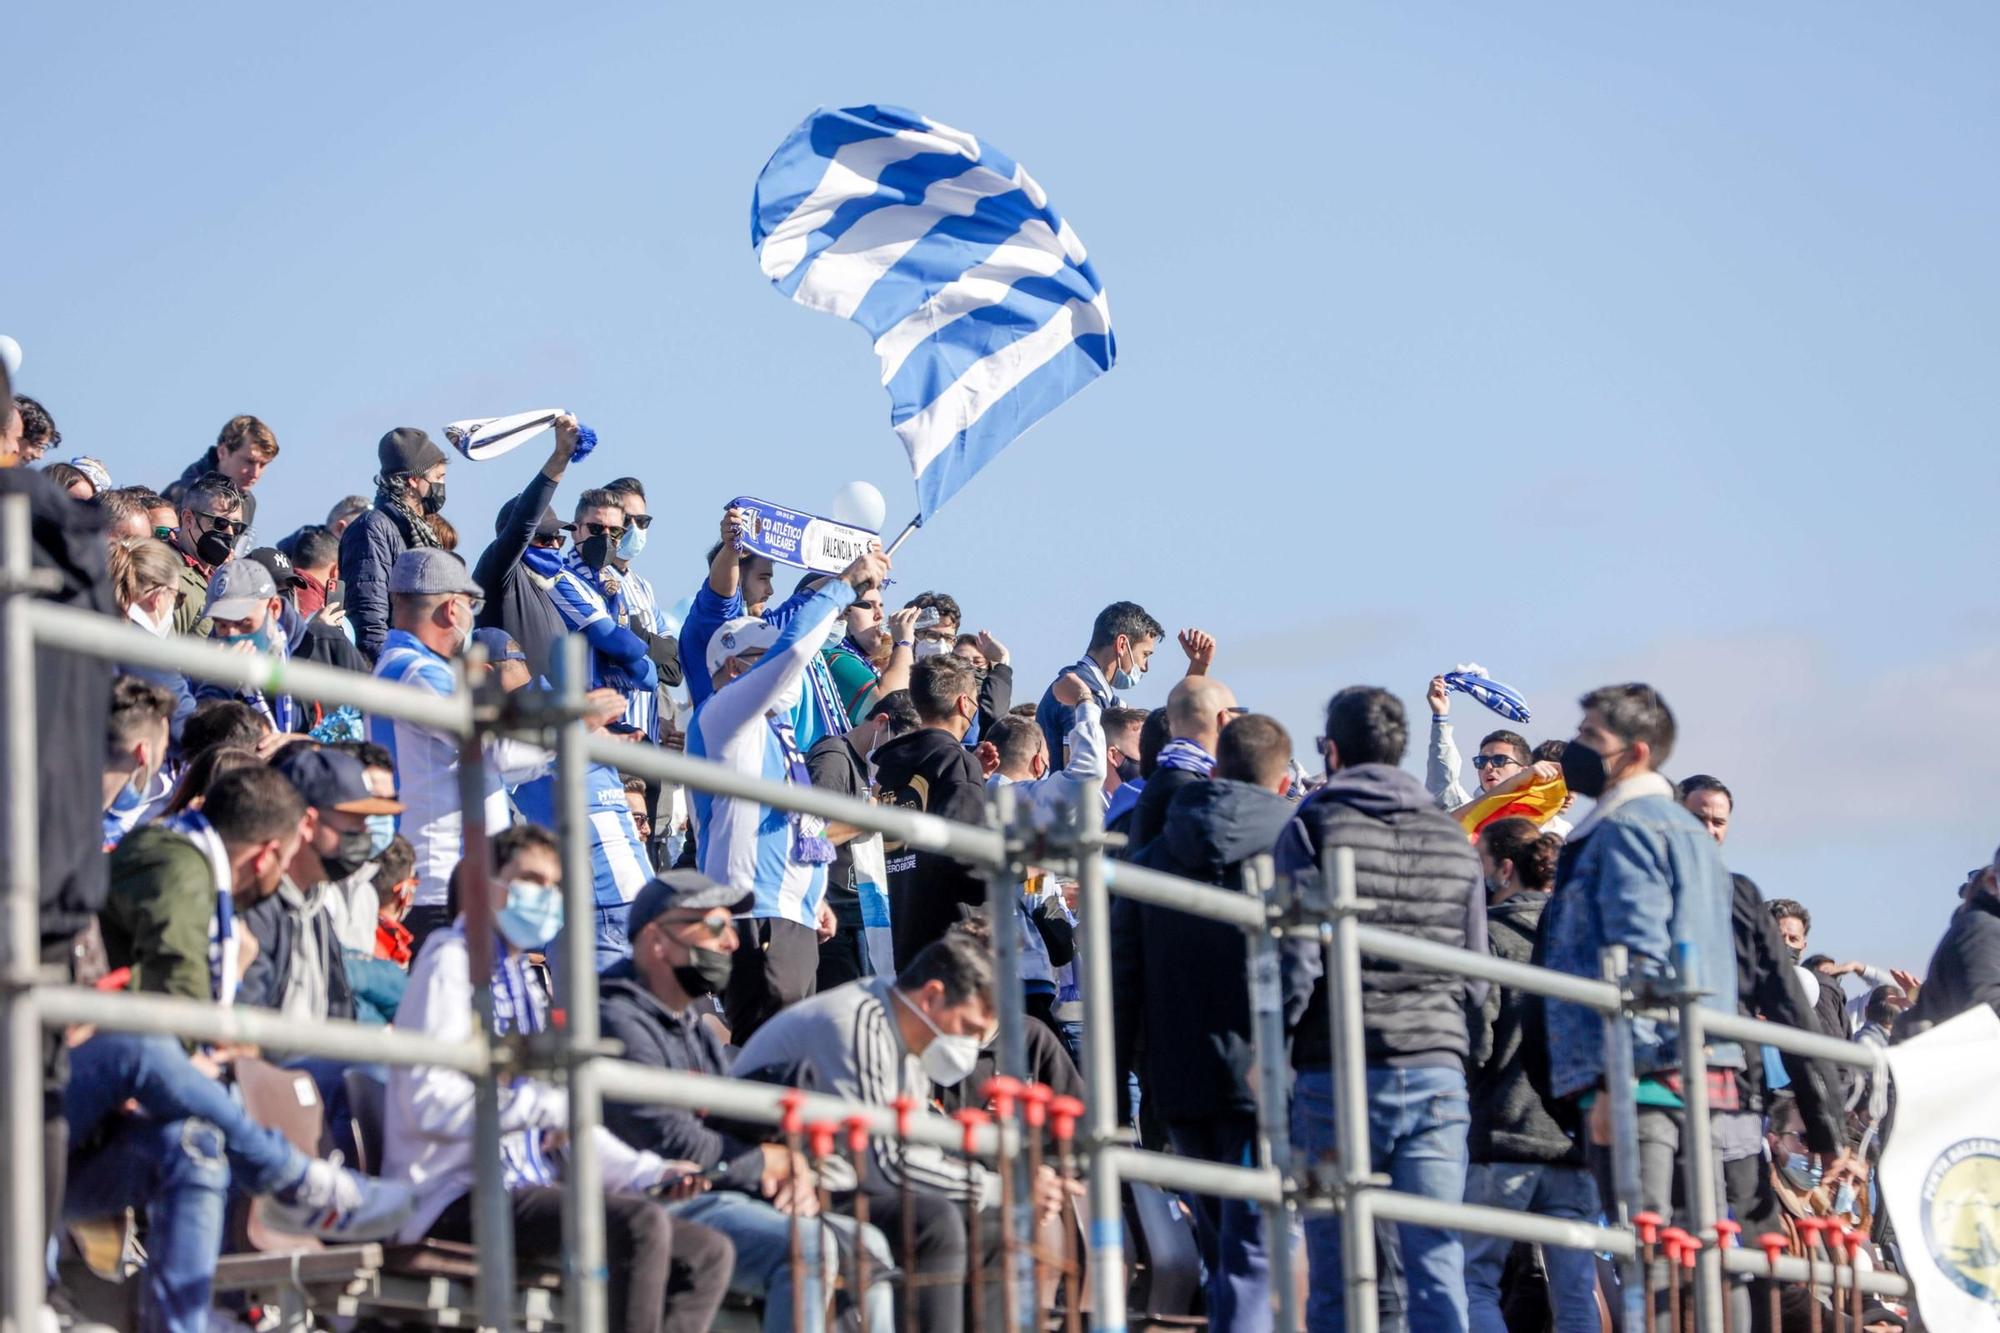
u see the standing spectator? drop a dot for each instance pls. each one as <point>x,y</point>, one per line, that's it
<point>1412,862</point>
<point>931,770</point>
<point>210,522</point>
<point>408,489</point>
<point>683,937</point>
<point>125,519</point>
<point>243,448</point>
<point>757,671</point>
<point>840,764</point>
<point>1965,967</point>
<point>937,636</point>
<point>591,606</point>
<point>873,656</point>
<point>74,480</point>
<point>146,580</point>
<point>1121,806</point>
<point>1710,802</point>
<point>38,433</point>
<point>315,553</point>
<point>1181,984</point>
<point>1198,708</point>
<point>1502,754</point>
<point>644,616</point>
<point>345,512</point>
<point>1829,1001</point>
<point>1643,873</point>
<point>518,601</point>
<point>1122,640</point>
<point>432,604</point>
<point>1122,767</point>
<point>427,1128</point>
<point>1525,1155</point>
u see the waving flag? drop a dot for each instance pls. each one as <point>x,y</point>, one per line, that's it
<point>1471,678</point>
<point>986,315</point>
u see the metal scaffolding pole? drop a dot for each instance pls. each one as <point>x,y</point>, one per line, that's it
<point>493,1213</point>
<point>1621,1087</point>
<point>1700,1181</point>
<point>1100,1080</point>
<point>1350,1091</point>
<point>20,1026</point>
<point>586,1269</point>
<point>1274,1131</point>
<point>1003,892</point>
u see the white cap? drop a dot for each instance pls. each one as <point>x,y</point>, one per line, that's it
<point>745,634</point>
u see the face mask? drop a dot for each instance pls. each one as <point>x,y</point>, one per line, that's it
<point>264,638</point>
<point>533,915</point>
<point>595,551</point>
<point>1792,955</point>
<point>1128,769</point>
<point>212,548</point>
<point>133,794</point>
<point>348,855</point>
<point>836,634</point>
<point>633,542</point>
<point>434,500</point>
<point>1124,678</point>
<point>157,628</point>
<point>1583,770</point>
<point>947,1061</point>
<point>1801,1171</point>
<point>705,972</point>
<point>381,832</point>
<point>927,648</point>
<point>310,598</point>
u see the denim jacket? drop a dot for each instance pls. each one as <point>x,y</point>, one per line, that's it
<point>1646,875</point>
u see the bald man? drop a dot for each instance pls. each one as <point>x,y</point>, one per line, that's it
<point>1197,710</point>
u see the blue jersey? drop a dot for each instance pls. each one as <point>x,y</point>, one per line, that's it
<point>618,864</point>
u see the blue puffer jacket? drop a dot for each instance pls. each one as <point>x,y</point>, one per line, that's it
<point>368,551</point>
<point>1648,876</point>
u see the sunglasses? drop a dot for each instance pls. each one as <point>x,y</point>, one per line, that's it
<point>546,543</point>
<point>233,527</point>
<point>601,529</point>
<point>715,922</point>
<point>640,521</point>
<point>165,533</point>
<point>1494,760</point>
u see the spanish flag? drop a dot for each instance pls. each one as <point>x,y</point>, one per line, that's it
<point>1539,801</point>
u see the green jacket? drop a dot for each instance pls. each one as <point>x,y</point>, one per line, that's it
<point>160,913</point>
<point>188,618</point>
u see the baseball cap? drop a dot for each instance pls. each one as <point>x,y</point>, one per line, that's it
<point>548,525</point>
<point>499,645</point>
<point>237,588</point>
<point>280,566</point>
<point>685,891</point>
<point>407,449</point>
<point>745,634</point>
<point>331,780</point>
<point>425,570</point>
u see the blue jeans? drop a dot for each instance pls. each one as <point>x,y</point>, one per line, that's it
<point>1417,1121</point>
<point>1229,1231</point>
<point>612,944</point>
<point>763,1239</point>
<point>1547,1191</point>
<point>176,1161</point>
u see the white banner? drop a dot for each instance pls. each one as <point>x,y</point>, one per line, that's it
<point>1941,1170</point>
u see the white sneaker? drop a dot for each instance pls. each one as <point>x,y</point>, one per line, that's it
<point>334,1203</point>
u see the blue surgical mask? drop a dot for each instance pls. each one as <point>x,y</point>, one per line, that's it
<point>1124,677</point>
<point>264,638</point>
<point>633,542</point>
<point>533,915</point>
<point>381,832</point>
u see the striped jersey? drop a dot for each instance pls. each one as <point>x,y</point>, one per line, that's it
<point>619,867</point>
<point>743,844</point>
<point>642,707</point>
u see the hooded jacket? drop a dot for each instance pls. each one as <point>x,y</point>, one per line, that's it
<point>1413,862</point>
<point>929,770</point>
<point>1510,1120</point>
<point>1181,982</point>
<point>300,966</point>
<point>656,1036</point>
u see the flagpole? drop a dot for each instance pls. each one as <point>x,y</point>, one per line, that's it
<point>904,535</point>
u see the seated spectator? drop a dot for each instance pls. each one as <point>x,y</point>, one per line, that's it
<point>202,772</point>
<point>146,579</point>
<point>315,555</point>
<point>72,479</point>
<point>665,1276</point>
<point>135,756</point>
<point>886,1037</point>
<point>178,885</point>
<point>228,722</point>
<point>841,764</point>
<point>1049,1060</point>
<point>243,611</point>
<point>683,935</point>
<point>38,433</point>
<point>207,527</point>
<point>396,873</point>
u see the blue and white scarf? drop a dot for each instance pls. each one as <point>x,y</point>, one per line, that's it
<point>223,955</point>
<point>1186,756</point>
<point>809,843</point>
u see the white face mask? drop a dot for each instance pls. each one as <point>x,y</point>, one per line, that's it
<point>947,1060</point>
<point>927,648</point>
<point>136,613</point>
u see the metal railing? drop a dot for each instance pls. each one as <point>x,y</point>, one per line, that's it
<point>999,850</point>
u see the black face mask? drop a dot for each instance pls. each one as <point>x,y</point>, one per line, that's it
<point>1583,770</point>
<point>1792,955</point>
<point>348,856</point>
<point>212,547</point>
<point>705,972</point>
<point>1128,769</point>
<point>434,500</point>
<point>595,551</point>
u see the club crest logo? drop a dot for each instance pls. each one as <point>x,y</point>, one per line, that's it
<point>1961,1203</point>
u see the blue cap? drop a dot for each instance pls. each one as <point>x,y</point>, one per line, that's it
<point>499,645</point>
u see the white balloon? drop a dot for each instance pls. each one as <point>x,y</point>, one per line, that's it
<point>10,354</point>
<point>859,505</point>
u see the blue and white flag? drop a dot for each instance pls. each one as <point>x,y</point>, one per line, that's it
<point>986,314</point>
<point>1471,678</point>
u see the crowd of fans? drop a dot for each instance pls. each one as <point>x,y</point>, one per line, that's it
<point>260,848</point>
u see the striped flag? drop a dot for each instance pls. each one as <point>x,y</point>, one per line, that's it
<point>985,312</point>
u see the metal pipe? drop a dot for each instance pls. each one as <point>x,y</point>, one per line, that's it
<point>1812,1045</point>
<point>1274,1131</point>
<point>1621,1086</point>
<point>1421,1210</point>
<point>966,842</point>
<point>1350,1089</point>
<point>21,1260</point>
<point>1204,900</point>
<point>96,635</point>
<point>1003,896</point>
<point>1428,956</point>
<point>492,1211</point>
<point>1698,1138</point>
<point>273,1032</point>
<point>1216,1179</point>
<point>1107,1221</point>
<point>587,1267</point>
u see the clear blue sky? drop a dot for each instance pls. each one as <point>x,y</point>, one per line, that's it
<point>1590,344</point>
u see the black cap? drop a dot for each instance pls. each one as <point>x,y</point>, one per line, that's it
<point>547,526</point>
<point>280,565</point>
<point>407,449</point>
<point>332,780</point>
<point>688,890</point>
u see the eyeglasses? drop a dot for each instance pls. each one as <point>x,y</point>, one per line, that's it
<point>233,527</point>
<point>1494,760</point>
<point>642,821</point>
<point>640,521</point>
<point>475,604</point>
<point>602,529</point>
